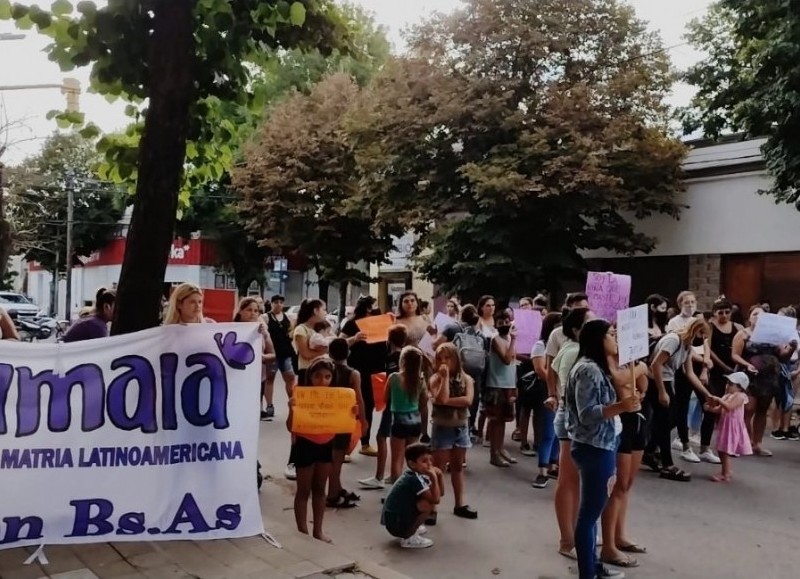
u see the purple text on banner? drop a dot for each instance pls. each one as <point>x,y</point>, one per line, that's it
<point>608,293</point>
<point>529,327</point>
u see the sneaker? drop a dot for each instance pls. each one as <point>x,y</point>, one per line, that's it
<point>709,456</point>
<point>526,450</point>
<point>416,541</point>
<point>368,450</point>
<point>372,483</point>
<point>677,444</point>
<point>792,436</point>
<point>290,472</point>
<point>604,572</point>
<point>778,435</point>
<point>270,412</point>
<point>422,530</point>
<point>264,415</point>
<point>516,436</point>
<point>540,482</point>
<point>690,456</point>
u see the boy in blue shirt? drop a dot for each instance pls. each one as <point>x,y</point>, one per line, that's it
<point>413,498</point>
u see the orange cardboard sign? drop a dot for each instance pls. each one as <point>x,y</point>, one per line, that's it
<point>323,410</point>
<point>376,327</point>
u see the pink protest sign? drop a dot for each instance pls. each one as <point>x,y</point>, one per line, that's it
<point>529,327</point>
<point>608,293</point>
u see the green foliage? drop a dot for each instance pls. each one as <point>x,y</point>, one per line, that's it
<point>517,135</point>
<point>37,204</point>
<point>299,183</point>
<point>750,82</point>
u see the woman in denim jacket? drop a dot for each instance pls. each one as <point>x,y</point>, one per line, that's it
<point>594,425</point>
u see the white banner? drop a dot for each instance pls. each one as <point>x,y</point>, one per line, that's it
<point>143,437</point>
<point>632,334</point>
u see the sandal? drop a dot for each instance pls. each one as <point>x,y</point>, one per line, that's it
<point>569,553</point>
<point>498,460</point>
<point>651,461</point>
<point>350,496</point>
<point>676,474</point>
<point>719,478</point>
<point>632,548</point>
<point>516,436</point>
<point>340,503</point>
<point>758,451</point>
<point>504,454</point>
<point>465,512</point>
<point>624,562</point>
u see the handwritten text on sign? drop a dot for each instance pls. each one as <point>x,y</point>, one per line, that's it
<point>632,334</point>
<point>608,293</point>
<point>323,410</point>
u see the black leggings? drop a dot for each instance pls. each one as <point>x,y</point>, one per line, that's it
<point>369,404</point>
<point>683,395</point>
<point>661,424</point>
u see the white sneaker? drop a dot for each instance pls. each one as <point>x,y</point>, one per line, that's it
<point>372,483</point>
<point>709,456</point>
<point>290,472</point>
<point>677,444</point>
<point>422,530</point>
<point>690,456</point>
<point>416,542</point>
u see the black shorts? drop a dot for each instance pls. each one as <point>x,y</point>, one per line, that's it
<point>406,430</point>
<point>307,453</point>
<point>342,442</point>
<point>401,525</point>
<point>385,428</point>
<point>634,433</point>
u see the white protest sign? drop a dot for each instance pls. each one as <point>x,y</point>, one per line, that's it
<point>774,329</point>
<point>632,334</point>
<point>143,437</point>
<point>426,345</point>
<point>442,321</point>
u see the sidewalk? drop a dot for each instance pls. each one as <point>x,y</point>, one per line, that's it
<point>250,558</point>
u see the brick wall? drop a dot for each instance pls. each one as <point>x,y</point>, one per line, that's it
<point>705,279</point>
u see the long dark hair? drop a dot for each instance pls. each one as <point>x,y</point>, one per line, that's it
<point>307,308</point>
<point>400,313</point>
<point>549,323</point>
<point>482,302</point>
<point>573,322</point>
<point>652,301</point>
<point>592,346</point>
<point>363,307</point>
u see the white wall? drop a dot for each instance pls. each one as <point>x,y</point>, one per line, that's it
<point>725,215</point>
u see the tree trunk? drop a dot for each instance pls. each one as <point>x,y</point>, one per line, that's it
<point>322,289</point>
<point>162,151</point>
<point>342,300</point>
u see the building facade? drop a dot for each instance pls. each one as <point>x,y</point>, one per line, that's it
<point>729,239</point>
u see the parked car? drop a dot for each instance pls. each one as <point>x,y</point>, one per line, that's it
<point>15,302</point>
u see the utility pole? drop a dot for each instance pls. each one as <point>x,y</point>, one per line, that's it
<point>68,264</point>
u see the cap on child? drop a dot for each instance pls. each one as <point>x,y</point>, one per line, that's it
<point>739,378</point>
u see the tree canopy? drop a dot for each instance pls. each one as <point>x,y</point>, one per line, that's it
<point>299,184</point>
<point>185,66</point>
<point>750,82</point>
<point>37,204</point>
<point>518,134</point>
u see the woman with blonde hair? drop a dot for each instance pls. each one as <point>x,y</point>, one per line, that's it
<point>186,306</point>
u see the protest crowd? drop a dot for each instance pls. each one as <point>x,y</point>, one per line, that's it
<point>594,391</point>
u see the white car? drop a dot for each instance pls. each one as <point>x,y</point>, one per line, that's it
<point>15,302</point>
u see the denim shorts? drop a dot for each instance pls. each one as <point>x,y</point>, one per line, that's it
<point>282,365</point>
<point>560,424</point>
<point>449,437</point>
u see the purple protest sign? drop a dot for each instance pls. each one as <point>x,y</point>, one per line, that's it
<point>608,293</point>
<point>529,327</point>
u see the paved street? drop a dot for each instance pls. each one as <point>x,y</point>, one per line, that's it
<point>695,530</point>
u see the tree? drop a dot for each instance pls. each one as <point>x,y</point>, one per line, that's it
<point>37,204</point>
<point>750,82</point>
<point>299,185</point>
<point>213,208</point>
<point>185,60</point>
<point>517,135</point>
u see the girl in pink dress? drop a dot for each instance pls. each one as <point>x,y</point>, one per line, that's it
<point>732,437</point>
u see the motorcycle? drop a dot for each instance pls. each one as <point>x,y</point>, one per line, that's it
<point>32,329</point>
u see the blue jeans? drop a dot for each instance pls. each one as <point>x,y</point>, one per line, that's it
<point>547,448</point>
<point>595,466</point>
